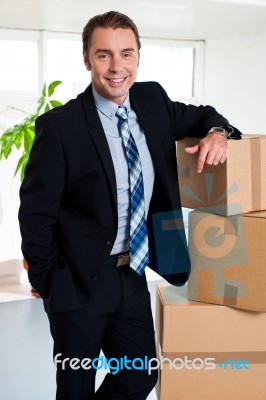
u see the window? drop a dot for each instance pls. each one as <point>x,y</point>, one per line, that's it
<point>64,61</point>
<point>173,64</point>
<point>30,58</point>
<point>19,62</point>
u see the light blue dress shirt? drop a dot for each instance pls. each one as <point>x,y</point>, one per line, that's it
<point>107,110</point>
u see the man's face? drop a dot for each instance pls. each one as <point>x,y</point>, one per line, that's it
<point>113,59</point>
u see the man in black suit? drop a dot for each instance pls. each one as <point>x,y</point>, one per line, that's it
<point>75,217</point>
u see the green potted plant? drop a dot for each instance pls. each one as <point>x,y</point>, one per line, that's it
<point>21,136</point>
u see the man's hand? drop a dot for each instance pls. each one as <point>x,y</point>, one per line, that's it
<point>212,150</point>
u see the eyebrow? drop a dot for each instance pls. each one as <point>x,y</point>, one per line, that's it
<point>109,51</point>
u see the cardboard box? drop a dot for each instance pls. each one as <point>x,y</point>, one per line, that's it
<point>224,349</point>
<point>228,256</point>
<point>235,187</point>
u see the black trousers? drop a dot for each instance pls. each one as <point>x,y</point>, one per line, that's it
<point>118,321</point>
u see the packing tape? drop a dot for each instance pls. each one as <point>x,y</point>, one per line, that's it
<point>255,153</point>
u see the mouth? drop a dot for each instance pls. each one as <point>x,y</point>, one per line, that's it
<point>116,81</point>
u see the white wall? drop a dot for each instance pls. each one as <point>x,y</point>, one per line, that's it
<point>235,80</point>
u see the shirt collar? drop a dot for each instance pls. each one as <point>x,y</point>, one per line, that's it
<point>108,107</point>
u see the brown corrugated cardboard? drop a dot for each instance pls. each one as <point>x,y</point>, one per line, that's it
<point>235,187</point>
<point>218,352</point>
<point>228,259</point>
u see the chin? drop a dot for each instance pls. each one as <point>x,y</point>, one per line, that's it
<point>117,95</point>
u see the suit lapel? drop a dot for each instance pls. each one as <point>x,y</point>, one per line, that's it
<point>97,134</point>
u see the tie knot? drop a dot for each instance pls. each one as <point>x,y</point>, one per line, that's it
<point>122,112</point>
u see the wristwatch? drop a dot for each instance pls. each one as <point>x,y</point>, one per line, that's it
<point>220,131</point>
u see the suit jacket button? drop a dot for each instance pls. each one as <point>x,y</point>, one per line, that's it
<point>109,242</point>
<point>94,277</point>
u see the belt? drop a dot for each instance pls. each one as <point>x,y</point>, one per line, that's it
<point>118,260</point>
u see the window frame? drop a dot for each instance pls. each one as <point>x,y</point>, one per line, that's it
<point>23,35</point>
<point>42,37</point>
<point>198,66</point>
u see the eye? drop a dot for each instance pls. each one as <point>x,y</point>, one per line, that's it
<point>103,56</point>
<point>127,54</point>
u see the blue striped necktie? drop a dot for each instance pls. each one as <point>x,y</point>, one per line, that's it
<point>138,247</point>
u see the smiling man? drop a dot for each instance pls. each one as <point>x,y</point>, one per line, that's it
<point>101,168</point>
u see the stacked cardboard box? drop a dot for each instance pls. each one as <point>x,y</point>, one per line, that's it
<point>226,234</point>
<point>217,352</point>
<point>235,187</point>
<point>210,351</point>
<point>228,259</point>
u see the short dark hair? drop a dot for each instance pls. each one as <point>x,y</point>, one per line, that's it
<point>110,19</point>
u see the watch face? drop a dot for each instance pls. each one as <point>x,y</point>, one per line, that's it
<point>219,130</point>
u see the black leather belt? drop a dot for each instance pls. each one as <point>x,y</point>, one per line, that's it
<point>118,260</point>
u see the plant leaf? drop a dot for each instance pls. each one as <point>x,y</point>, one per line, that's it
<point>7,149</point>
<point>18,140</point>
<point>40,103</point>
<point>24,132</point>
<point>23,166</point>
<point>47,107</point>
<point>44,90</point>
<point>23,159</point>
<point>28,138</point>
<point>52,87</point>
<point>55,103</point>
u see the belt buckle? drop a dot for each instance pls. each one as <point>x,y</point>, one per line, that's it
<point>122,259</point>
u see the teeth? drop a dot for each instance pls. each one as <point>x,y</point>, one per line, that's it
<point>117,80</point>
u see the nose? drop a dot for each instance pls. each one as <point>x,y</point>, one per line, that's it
<point>116,64</point>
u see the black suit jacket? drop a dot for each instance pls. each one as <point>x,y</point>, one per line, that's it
<point>68,211</point>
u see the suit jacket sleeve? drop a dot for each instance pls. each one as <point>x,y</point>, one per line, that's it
<point>40,196</point>
<point>194,121</point>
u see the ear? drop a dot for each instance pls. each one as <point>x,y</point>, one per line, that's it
<point>86,61</point>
